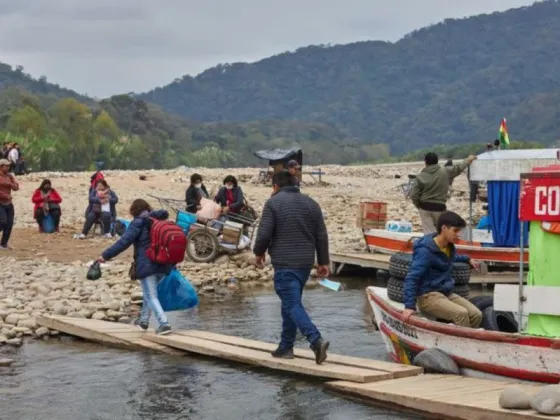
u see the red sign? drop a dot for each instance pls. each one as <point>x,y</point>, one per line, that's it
<point>539,198</point>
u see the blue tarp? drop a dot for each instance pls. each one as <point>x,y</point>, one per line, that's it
<point>503,206</point>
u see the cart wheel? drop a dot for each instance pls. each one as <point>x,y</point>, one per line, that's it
<point>202,246</point>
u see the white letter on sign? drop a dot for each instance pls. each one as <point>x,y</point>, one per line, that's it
<point>540,193</point>
<point>554,200</point>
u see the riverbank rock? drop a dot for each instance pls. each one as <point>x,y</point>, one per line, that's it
<point>515,398</point>
<point>547,400</point>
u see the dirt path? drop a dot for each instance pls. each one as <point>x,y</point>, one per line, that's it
<point>29,244</point>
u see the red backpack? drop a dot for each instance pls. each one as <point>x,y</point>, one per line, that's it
<point>168,243</point>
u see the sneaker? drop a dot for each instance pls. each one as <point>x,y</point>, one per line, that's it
<point>280,353</point>
<point>141,324</point>
<point>320,348</point>
<point>163,329</point>
<point>6,247</point>
<point>108,235</point>
<point>80,236</point>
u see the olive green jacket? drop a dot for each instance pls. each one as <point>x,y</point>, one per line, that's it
<point>432,183</point>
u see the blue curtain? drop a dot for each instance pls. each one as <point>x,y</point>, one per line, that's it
<point>503,204</point>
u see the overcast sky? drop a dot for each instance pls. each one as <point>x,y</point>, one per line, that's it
<point>104,47</point>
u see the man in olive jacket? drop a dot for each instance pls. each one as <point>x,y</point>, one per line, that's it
<point>431,188</point>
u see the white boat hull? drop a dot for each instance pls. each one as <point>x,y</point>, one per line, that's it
<point>478,353</point>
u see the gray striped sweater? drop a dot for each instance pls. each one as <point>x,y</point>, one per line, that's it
<point>293,230</point>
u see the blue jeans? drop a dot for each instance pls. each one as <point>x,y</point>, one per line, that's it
<point>289,284</point>
<point>150,300</point>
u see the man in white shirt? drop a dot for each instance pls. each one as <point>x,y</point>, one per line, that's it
<point>13,156</point>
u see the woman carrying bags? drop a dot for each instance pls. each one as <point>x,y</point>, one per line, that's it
<point>147,271</point>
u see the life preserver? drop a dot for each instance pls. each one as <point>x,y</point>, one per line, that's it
<point>551,227</point>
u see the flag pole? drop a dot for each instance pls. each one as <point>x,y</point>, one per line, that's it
<point>470,205</point>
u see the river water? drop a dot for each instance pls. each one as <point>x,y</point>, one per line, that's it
<point>69,379</point>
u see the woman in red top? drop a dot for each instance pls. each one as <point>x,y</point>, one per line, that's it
<point>47,201</point>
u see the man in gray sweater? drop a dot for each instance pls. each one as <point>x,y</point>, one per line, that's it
<point>292,229</point>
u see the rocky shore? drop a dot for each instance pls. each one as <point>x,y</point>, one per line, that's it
<point>46,274</point>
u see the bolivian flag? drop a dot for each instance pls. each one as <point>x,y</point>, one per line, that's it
<point>503,134</point>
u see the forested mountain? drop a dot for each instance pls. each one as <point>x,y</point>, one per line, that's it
<point>16,77</point>
<point>447,83</point>
<point>128,133</point>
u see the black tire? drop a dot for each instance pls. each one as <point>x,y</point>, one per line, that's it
<point>399,264</point>
<point>395,290</point>
<point>461,273</point>
<point>202,246</point>
<point>436,361</point>
<point>482,302</point>
<point>499,321</point>
<point>382,275</point>
<point>462,290</point>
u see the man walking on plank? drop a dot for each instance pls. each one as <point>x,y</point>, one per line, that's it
<point>293,230</point>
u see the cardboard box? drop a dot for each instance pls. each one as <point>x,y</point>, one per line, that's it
<point>372,215</point>
<point>231,233</point>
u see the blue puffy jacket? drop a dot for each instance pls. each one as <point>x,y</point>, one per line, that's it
<point>430,270</point>
<point>138,234</point>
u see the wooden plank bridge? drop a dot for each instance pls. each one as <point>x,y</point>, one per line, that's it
<point>379,382</point>
<point>381,262</point>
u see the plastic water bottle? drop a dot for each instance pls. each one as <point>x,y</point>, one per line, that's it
<point>398,226</point>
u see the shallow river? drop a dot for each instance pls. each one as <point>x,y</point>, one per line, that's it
<point>74,380</point>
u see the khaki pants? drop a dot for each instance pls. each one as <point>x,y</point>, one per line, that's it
<point>453,308</point>
<point>429,220</point>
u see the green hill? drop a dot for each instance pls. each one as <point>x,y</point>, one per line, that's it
<point>449,83</point>
<point>128,133</point>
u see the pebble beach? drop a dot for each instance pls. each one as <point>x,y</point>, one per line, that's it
<point>46,273</point>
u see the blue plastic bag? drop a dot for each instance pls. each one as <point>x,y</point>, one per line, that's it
<point>175,293</point>
<point>120,226</point>
<point>185,220</point>
<point>48,223</point>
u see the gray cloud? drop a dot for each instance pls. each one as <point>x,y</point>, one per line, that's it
<point>107,47</point>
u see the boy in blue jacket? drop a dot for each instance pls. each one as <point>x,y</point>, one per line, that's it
<point>429,285</point>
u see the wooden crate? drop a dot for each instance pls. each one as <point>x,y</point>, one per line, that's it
<point>231,234</point>
<point>372,215</point>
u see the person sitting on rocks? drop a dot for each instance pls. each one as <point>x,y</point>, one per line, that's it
<point>148,272</point>
<point>230,196</point>
<point>195,193</point>
<point>429,285</point>
<point>102,208</point>
<point>46,201</point>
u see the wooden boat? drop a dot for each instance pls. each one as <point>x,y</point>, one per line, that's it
<point>532,355</point>
<point>388,242</point>
<point>477,352</point>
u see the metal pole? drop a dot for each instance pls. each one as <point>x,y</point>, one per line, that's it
<point>470,205</point>
<point>521,298</point>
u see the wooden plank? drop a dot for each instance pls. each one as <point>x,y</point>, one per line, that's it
<point>397,370</point>
<point>381,262</point>
<point>260,358</point>
<point>467,398</point>
<point>118,335</point>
